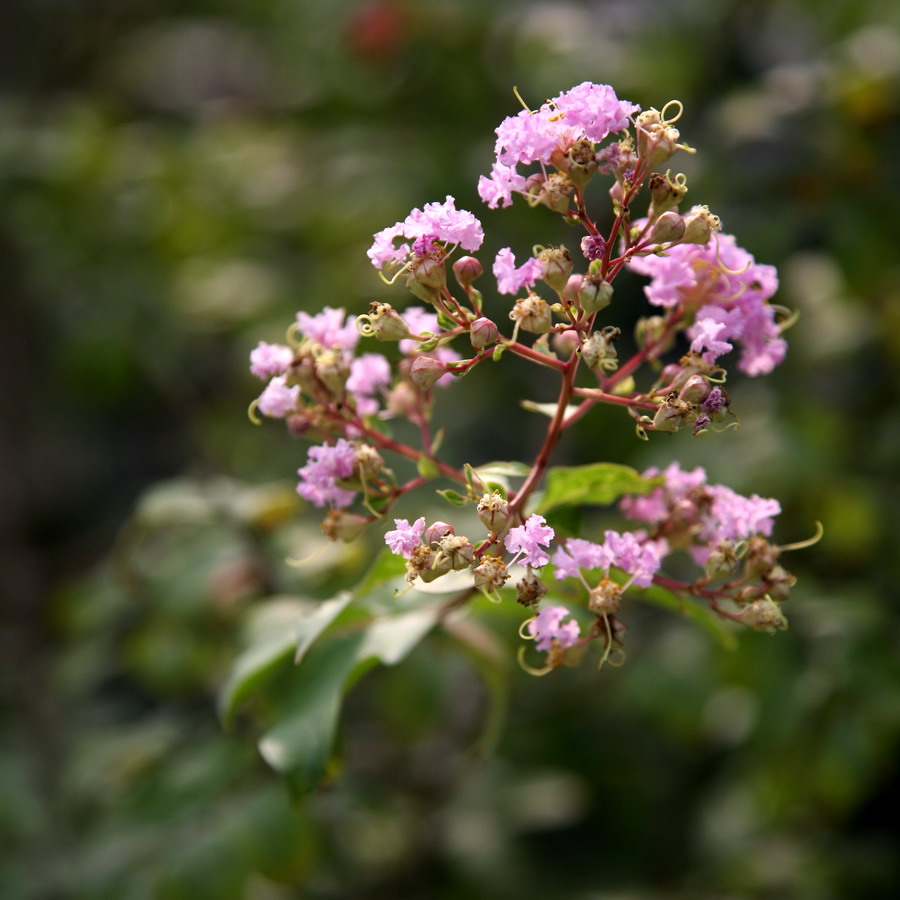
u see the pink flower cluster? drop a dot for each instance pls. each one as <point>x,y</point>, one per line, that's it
<point>586,112</point>
<point>526,541</point>
<point>728,292</point>
<point>547,626</point>
<point>325,466</point>
<point>437,222</point>
<point>639,558</point>
<point>709,513</point>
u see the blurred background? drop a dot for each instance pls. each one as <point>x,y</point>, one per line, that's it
<point>176,180</point>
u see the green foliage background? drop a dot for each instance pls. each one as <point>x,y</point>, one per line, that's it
<point>176,180</point>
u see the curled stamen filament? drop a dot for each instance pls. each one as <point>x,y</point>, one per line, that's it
<point>525,106</point>
<point>396,275</point>
<point>364,326</point>
<point>538,673</point>
<point>809,542</point>
<point>790,319</point>
<point>680,110</point>
<point>251,412</point>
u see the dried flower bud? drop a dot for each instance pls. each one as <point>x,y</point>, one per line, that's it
<point>761,557</point>
<point>493,511</point>
<point>483,333</point>
<point>530,590</point>
<point>426,370</point>
<point>764,615</point>
<point>490,574</point>
<point>383,323</point>
<point>340,525</point>
<point>533,314</point>
<point>699,225</point>
<point>779,582</point>
<point>556,266</point>
<point>665,193</point>
<point>722,561</point>
<point>332,370</point>
<point>672,414</point>
<point>368,460</point>
<point>467,270</point>
<point>606,598</point>
<point>457,551</point>
<point>598,351</point>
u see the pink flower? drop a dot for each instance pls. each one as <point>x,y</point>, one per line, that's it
<point>526,541</point>
<point>325,466</point>
<point>546,627</point>
<point>595,109</point>
<point>510,280</point>
<point>626,552</point>
<point>329,328</point>
<point>369,373</point>
<point>278,400</point>
<point>576,555</point>
<point>437,221</point>
<point>706,332</point>
<point>497,190</point>
<point>267,360</point>
<point>406,538</point>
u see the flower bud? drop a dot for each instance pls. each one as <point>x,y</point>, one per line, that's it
<point>530,590</point>
<point>490,574</point>
<point>668,227</point>
<point>665,194</point>
<point>482,333</point>
<point>533,314</point>
<point>435,532</point>
<point>764,615</point>
<point>467,270</point>
<point>595,294</point>
<point>556,266</point>
<point>493,511</point>
<point>425,371</point>
<point>695,390</point>
<point>699,225</point>
<point>457,551</point>
<point>598,351</point>
<point>573,286</point>
<point>564,343</point>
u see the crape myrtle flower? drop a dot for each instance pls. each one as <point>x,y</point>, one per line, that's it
<point>326,465</point>
<point>329,328</point>
<point>267,360</point>
<point>588,112</point>
<point>277,399</point>
<point>728,292</point>
<point>435,222</point>
<point>547,627</point>
<point>369,374</point>
<point>526,541</point>
<point>405,538</point>
<point>639,558</point>
<point>510,280</point>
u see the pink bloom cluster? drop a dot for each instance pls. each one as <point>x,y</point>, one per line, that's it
<point>709,512</point>
<point>728,291</point>
<point>639,558</point>
<point>267,360</point>
<point>277,399</point>
<point>325,466</point>
<point>526,541</point>
<point>586,112</point>
<point>510,280</point>
<point>437,222</point>
<point>547,626</point>
<point>405,538</point>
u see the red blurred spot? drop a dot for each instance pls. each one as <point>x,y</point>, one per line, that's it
<point>377,29</point>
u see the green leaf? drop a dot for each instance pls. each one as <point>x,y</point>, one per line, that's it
<point>391,638</point>
<point>299,745</point>
<point>386,567</point>
<point>311,626</point>
<point>503,469</point>
<point>272,636</point>
<point>427,468</point>
<point>454,498</point>
<point>599,485</point>
<point>695,610</point>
